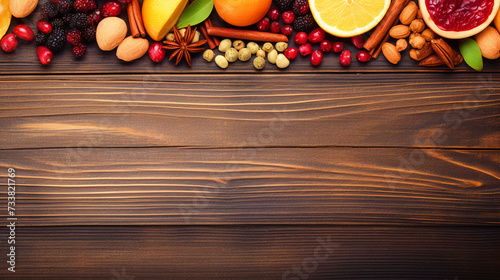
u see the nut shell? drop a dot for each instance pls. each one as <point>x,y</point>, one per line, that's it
<point>22,8</point>
<point>489,43</point>
<point>110,33</point>
<point>391,53</point>
<point>132,48</point>
<point>409,13</point>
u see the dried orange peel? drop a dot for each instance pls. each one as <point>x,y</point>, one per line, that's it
<point>5,17</point>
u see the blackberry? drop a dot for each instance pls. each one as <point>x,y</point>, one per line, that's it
<point>74,37</point>
<point>303,23</point>
<point>85,6</point>
<point>67,17</point>
<point>89,34</point>
<point>300,7</point>
<point>56,40</point>
<point>41,38</point>
<point>78,21</point>
<point>65,6</point>
<point>57,23</point>
<point>49,10</point>
<point>79,50</point>
<point>284,5</point>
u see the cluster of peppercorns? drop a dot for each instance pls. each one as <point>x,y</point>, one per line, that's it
<point>72,21</point>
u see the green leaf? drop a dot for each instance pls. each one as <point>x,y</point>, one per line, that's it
<point>471,53</point>
<point>195,13</point>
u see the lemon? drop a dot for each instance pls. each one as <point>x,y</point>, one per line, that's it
<point>348,18</point>
<point>160,16</point>
<point>5,17</point>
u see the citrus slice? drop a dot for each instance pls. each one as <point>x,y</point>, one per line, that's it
<point>5,17</point>
<point>348,18</point>
<point>160,16</point>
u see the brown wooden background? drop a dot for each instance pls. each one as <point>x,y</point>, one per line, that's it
<point>163,172</point>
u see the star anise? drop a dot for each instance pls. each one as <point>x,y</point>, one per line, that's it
<point>182,46</point>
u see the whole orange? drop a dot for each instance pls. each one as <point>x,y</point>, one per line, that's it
<point>242,12</point>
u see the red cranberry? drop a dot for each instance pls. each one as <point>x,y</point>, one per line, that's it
<point>306,49</point>
<point>317,35</point>
<point>316,57</point>
<point>325,46</point>
<point>24,32</point>
<point>291,53</point>
<point>288,17</point>
<point>363,56</point>
<point>8,42</point>
<point>358,41</point>
<point>264,24</point>
<point>95,17</point>
<point>44,54</point>
<point>275,27</point>
<point>156,52</point>
<point>124,2</point>
<point>274,14</point>
<point>44,26</point>
<point>300,38</point>
<point>338,47</point>
<point>345,58</point>
<point>287,30</point>
<point>111,9</point>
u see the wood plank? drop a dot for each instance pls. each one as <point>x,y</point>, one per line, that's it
<point>173,186</point>
<point>404,110</point>
<point>24,61</point>
<point>251,252</point>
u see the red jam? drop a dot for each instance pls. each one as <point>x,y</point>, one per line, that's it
<point>459,15</point>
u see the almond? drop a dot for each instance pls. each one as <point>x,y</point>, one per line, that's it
<point>22,8</point>
<point>110,33</point>
<point>132,48</point>
<point>399,31</point>
<point>409,13</point>
<point>391,53</point>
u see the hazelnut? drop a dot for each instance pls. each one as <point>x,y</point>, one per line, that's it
<point>170,37</point>
<point>401,45</point>
<point>259,63</point>
<point>238,45</point>
<point>261,53</point>
<point>231,55</point>
<point>417,26</point>
<point>417,42</point>
<point>208,55</point>
<point>244,54</point>
<point>225,45</point>
<point>253,47</point>
<point>221,61</point>
<point>281,46</point>
<point>428,34</point>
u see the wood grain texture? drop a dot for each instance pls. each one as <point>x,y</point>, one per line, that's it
<point>404,110</point>
<point>24,61</point>
<point>337,186</point>
<point>256,253</point>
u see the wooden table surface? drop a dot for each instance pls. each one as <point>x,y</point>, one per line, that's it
<point>145,171</point>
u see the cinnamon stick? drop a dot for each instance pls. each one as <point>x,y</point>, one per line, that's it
<point>380,32</point>
<point>250,35</point>
<point>138,17</point>
<point>210,42</point>
<point>131,21</point>
<point>208,23</point>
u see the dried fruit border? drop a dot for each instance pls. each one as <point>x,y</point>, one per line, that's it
<point>79,23</point>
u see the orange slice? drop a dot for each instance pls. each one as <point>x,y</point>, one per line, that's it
<point>348,18</point>
<point>5,17</point>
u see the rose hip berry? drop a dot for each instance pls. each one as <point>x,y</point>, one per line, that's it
<point>291,53</point>
<point>345,58</point>
<point>124,2</point>
<point>156,52</point>
<point>44,26</point>
<point>8,43</point>
<point>325,46</point>
<point>287,30</point>
<point>274,14</point>
<point>317,35</point>
<point>111,9</point>
<point>300,38</point>
<point>305,49</point>
<point>337,47</point>
<point>288,17</point>
<point>363,56</point>
<point>24,32</point>
<point>358,41</point>
<point>44,54</point>
<point>264,25</point>
<point>316,57</point>
<point>275,27</point>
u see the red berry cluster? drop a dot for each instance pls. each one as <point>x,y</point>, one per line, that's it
<point>272,23</point>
